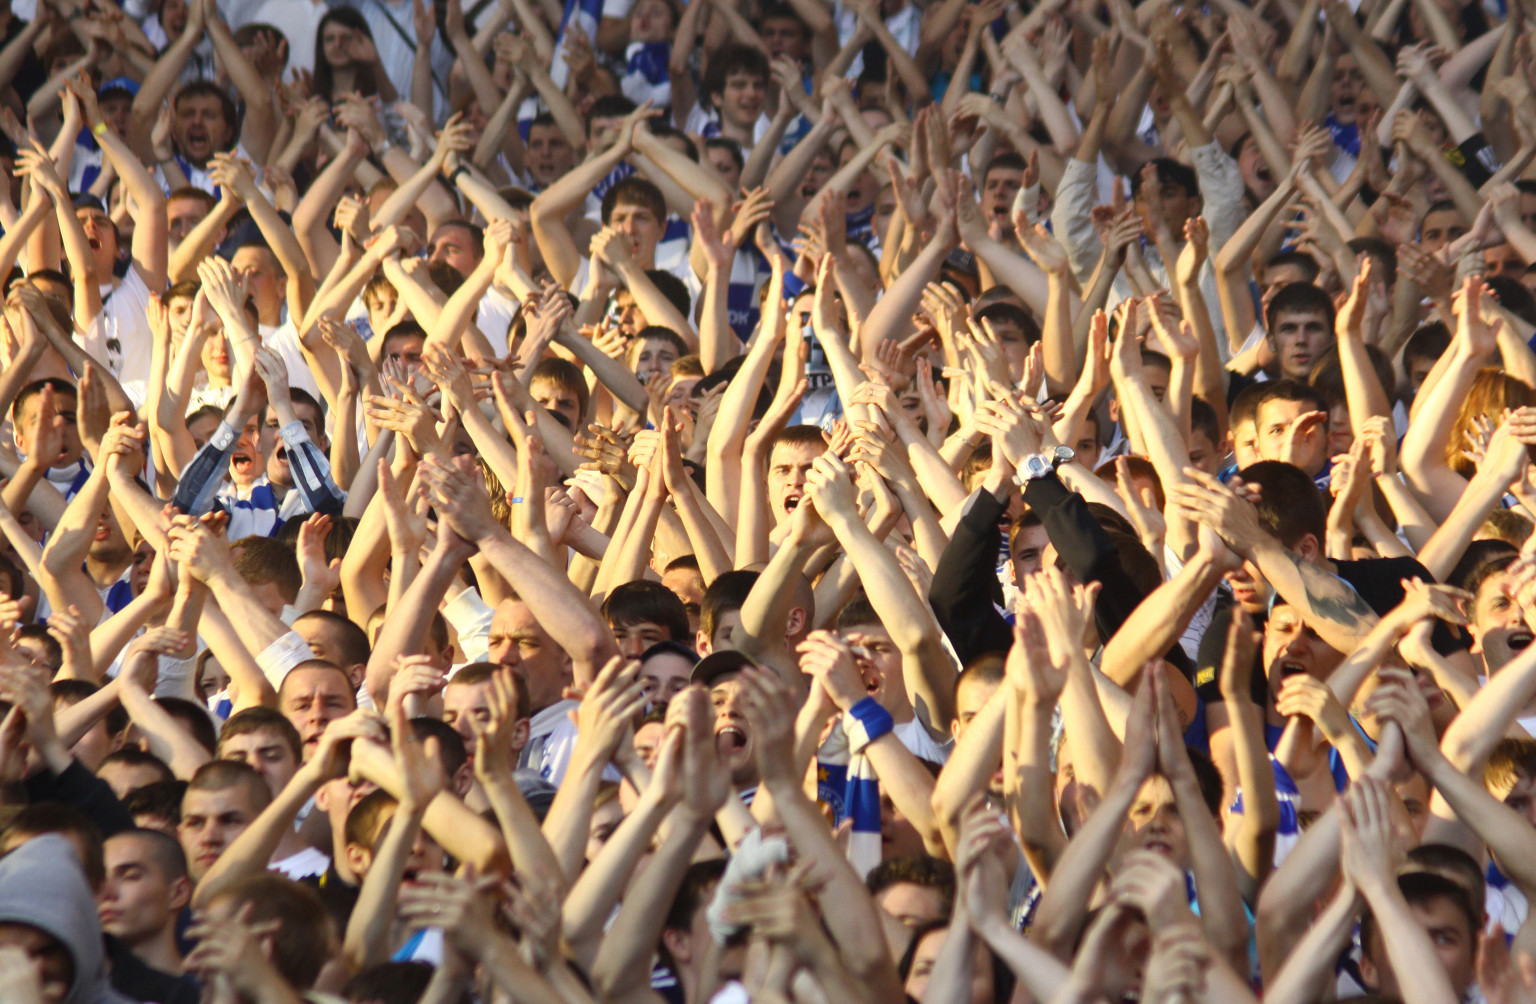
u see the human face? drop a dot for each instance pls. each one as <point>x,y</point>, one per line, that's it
<point>173,17</point>
<point>1455,946</point>
<point>467,707</point>
<point>124,777</point>
<point>215,357</point>
<point>1028,553</point>
<point>998,190</point>
<point>878,660</point>
<point>725,626</point>
<point>635,638</point>
<point>1254,169</point>
<point>518,642</point>
<point>1275,417</point>
<point>725,166</point>
<point>643,229</point>
<point>102,238</point>
<point>784,37</point>
<point>885,210</point>
<point>267,752</point>
<point>927,954</point>
<point>1178,206</point>
<point>816,175</point>
<point>312,699</point>
<point>912,904</point>
<point>664,675</point>
<point>971,696</point>
<point>1277,277</point>
<point>200,128</point>
<point>210,822</point>
<point>265,279</point>
<point>64,407</point>
<point>1155,824</point>
<point>1499,630</point>
<point>138,900</point>
<point>1204,455</point>
<point>1245,443</point>
<point>648,739</point>
<point>605,819</point>
<point>1440,228</point>
<point>405,350</point>
<point>183,215</point>
<point>247,460</point>
<point>549,154</point>
<point>457,247</point>
<point>1418,370</point>
<point>787,467</point>
<point>1299,339</point>
<point>1503,260</point>
<point>1348,83</point>
<point>650,21</point>
<point>742,100</point>
<point>1521,797</point>
<point>561,402</point>
<point>335,44</point>
<point>55,965</point>
<point>733,733</point>
<point>1293,649</point>
<point>653,356</point>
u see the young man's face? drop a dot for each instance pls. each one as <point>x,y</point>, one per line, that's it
<point>314,698</point>
<point>644,230</point>
<point>1275,418</point>
<point>1418,370</point>
<point>1503,260</point>
<point>725,165</point>
<point>138,898</point>
<point>199,127</point>
<point>635,638</point>
<point>1027,552</point>
<point>1499,631</point>
<point>456,246</point>
<point>55,965</point>
<point>1178,207</point>
<point>267,752</point>
<point>102,236</point>
<point>664,675</point>
<point>1299,339</point>
<point>971,696</point>
<point>650,21</point>
<point>115,110</point>
<point>1293,649</point>
<point>1348,84</point>
<point>265,279</point>
<point>733,733</point>
<point>879,663</point>
<point>560,401</point>
<point>549,154</point>
<point>1204,455</point>
<point>466,707</point>
<point>64,407</point>
<point>997,192</point>
<point>210,822</point>
<point>741,102</point>
<point>1440,228</point>
<point>784,37</point>
<point>1455,945</point>
<point>1154,823</point>
<point>405,350</point>
<point>653,356</point>
<point>788,465</point>
<point>726,622</point>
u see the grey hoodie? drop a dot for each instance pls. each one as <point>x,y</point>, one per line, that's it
<point>42,885</point>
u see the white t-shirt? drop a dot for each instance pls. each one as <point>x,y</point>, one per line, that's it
<point>298,20</point>
<point>919,743</point>
<point>120,336</point>
<point>284,340</point>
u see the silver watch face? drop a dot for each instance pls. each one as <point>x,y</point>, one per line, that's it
<point>1063,455</point>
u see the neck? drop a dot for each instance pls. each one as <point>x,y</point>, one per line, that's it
<point>289,845</point>
<point>103,572</point>
<point>159,951</point>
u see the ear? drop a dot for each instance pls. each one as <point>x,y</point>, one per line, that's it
<point>520,735</point>
<point>795,623</point>
<point>357,670</point>
<point>677,944</point>
<point>358,858</point>
<point>1306,548</point>
<point>701,643</point>
<point>181,893</point>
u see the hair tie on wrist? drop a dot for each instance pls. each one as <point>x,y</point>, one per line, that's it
<point>99,129</point>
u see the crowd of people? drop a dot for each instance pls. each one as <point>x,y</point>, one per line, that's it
<point>767,500</point>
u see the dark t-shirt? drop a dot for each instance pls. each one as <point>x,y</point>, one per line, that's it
<point>134,978</point>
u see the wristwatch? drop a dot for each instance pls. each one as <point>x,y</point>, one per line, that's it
<point>1038,465</point>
